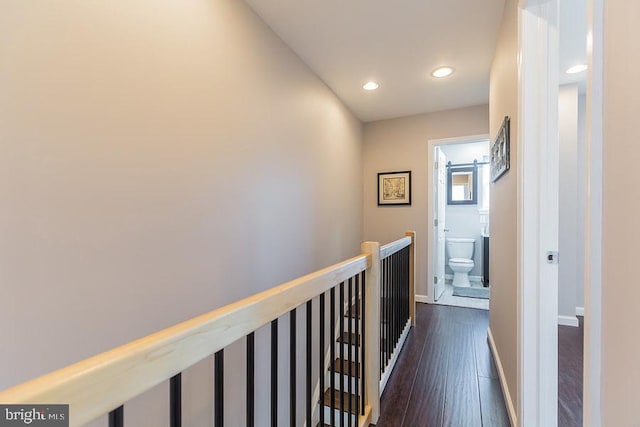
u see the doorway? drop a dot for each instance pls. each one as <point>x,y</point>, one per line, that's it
<point>458,185</point>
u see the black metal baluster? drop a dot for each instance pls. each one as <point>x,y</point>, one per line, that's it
<point>274,373</point>
<point>406,285</point>
<point>400,296</point>
<point>392,284</point>
<point>401,276</point>
<point>383,307</point>
<point>353,340</point>
<point>292,367</point>
<point>392,310</point>
<point>360,342</point>
<point>397,301</point>
<point>389,337</point>
<point>116,417</point>
<point>175,401</point>
<point>364,347</point>
<point>219,389</point>
<point>396,307</point>
<point>387,320</point>
<point>332,337</point>
<point>321,372</point>
<point>251,380</point>
<point>308,379</point>
<point>342,342</point>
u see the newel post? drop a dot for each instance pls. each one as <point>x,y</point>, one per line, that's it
<point>372,327</point>
<point>412,277</point>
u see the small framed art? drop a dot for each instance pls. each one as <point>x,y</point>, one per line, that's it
<point>500,152</point>
<point>394,188</point>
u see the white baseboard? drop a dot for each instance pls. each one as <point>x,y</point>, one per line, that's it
<point>394,357</point>
<point>422,298</point>
<point>579,311</point>
<point>511,410</point>
<point>568,321</point>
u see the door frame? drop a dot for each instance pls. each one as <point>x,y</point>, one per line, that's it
<point>592,369</point>
<point>537,293</point>
<point>431,144</point>
<point>537,312</point>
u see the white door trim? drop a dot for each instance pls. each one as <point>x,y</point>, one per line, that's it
<point>592,371</point>
<point>537,212</point>
<point>432,143</point>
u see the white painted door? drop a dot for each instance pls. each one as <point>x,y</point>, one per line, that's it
<point>440,178</point>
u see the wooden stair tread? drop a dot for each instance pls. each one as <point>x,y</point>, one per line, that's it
<point>336,394</point>
<point>349,339</point>
<point>343,368</point>
<point>353,312</point>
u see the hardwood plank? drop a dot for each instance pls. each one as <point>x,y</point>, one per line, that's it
<point>443,353</point>
<point>493,410</point>
<point>426,404</point>
<point>462,402</point>
<point>570,356</point>
<point>395,398</point>
<point>484,360</point>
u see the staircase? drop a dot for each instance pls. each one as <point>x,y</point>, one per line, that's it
<point>343,392</point>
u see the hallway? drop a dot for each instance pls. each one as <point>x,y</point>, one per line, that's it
<point>445,375</point>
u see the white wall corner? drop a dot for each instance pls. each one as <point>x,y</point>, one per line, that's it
<point>579,311</point>
<point>511,410</point>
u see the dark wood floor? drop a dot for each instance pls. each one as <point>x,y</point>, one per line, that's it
<point>570,350</point>
<point>445,375</point>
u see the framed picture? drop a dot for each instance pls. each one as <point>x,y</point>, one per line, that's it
<point>394,188</point>
<point>500,152</point>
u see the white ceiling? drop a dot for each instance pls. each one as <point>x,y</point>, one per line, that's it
<point>398,44</point>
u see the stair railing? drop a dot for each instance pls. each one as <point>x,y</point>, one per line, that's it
<point>397,301</point>
<point>102,384</point>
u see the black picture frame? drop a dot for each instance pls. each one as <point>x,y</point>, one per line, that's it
<point>394,188</point>
<point>500,152</point>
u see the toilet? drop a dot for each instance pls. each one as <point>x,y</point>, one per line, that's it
<point>461,260</point>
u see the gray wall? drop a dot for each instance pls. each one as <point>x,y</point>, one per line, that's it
<point>159,159</point>
<point>402,144</point>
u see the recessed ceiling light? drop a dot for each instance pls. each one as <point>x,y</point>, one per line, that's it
<point>442,72</point>
<point>371,86</point>
<point>576,69</point>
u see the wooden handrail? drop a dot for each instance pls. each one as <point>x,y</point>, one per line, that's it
<point>97,385</point>
<point>393,247</point>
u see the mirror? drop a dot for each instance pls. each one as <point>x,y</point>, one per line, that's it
<point>462,185</point>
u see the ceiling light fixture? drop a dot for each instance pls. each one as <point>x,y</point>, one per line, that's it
<point>576,69</point>
<point>371,86</point>
<point>442,72</point>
